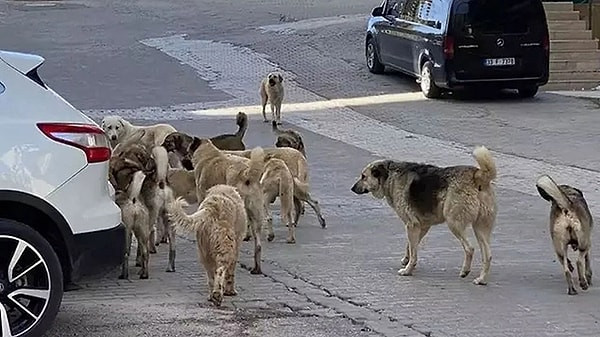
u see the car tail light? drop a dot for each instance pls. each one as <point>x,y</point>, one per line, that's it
<point>89,138</point>
<point>546,44</point>
<point>448,47</point>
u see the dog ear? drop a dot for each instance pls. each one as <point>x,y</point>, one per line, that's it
<point>280,78</point>
<point>194,145</point>
<point>133,163</point>
<point>379,171</point>
<point>121,123</point>
<point>578,191</point>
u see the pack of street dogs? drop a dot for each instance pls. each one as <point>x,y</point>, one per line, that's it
<point>158,171</point>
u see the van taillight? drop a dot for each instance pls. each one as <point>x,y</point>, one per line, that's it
<point>89,138</point>
<point>546,44</point>
<point>448,46</point>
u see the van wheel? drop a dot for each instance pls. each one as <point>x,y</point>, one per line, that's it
<point>31,281</point>
<point>428,87</point>
<point>372,56</point>
<point>528,92</point>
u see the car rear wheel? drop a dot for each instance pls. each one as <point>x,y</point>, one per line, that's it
<point>31,281</point>
<point>528,92</point>
<point>372,56</point>
<point>428,87</point>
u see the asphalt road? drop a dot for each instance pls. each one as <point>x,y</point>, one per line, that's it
<point>196,63</point>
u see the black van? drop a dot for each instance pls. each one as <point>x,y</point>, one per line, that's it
<point>455,44</point>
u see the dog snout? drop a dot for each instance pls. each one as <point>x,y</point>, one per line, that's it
<point>271,82</point>
<point>113,137</point>
<point>358,188</point>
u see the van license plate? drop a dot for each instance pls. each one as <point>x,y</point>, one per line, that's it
<point>507,61</point>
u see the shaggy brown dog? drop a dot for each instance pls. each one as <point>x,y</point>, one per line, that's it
<point>570,225</point>
<point>213,167</point>
<point>425,195</point>
<point>277,181</point>
<point>271,91</point>
<point>298,166</point>
<point>123,166</point>
<point>219,225</point>
<point>136,219</point>
<point>179,142</point>
<point>289,138</point>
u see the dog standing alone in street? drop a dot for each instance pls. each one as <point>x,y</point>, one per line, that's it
<point>271,90</point>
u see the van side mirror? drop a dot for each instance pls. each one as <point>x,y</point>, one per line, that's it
<point>377,11</point>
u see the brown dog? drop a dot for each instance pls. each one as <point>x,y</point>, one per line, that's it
<point>271,91</point>
<point>277,181</point>
<point>570,225</point>
<point>425,195</point>
<point>289,138</point>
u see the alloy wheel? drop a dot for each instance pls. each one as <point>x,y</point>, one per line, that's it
<point>370,55</point>
<point>25,286</point>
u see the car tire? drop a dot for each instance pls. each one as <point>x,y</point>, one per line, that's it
<point>428,87</point>
<point>38,289</point>
<point>528,92</point>
<point>372,58</point>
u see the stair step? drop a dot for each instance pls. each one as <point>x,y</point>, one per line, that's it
<point>580,55</point>
<point>567,25</point>
<point>570,85</point>
<point>558,6</point>
<point>574,65</point>
<point>562,15</point>
<point>574,75</point>
<point>571,35</point>
<point>573,45</point>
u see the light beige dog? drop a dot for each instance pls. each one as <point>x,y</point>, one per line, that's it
<point>425,195</point>
<point>136,218</point>
<point>271,91</point>
<point>298,166</point>
<point>183,184</point>
<point>277,181</point>
<point>213,167</point>
<point>570,225</point>
<point>219,225</point>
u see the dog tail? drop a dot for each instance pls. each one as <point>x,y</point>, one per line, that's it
<point>487,166</point>
<point>301,189</point>
<point>161,158</point>
<point>548,190</point>
<point>179,218</point>
<point>242,122</point>
<point>136,186</point>
<point>257,164</point>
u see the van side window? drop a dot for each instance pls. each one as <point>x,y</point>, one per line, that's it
<point>430,13</point>
<point>393,8</point>
<point>409,12</point>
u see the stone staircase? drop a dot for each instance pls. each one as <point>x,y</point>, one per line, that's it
<point>574,54</point>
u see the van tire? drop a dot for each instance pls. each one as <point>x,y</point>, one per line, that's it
<point>14,234</point>
<point>372,57</point>
<point>428,87</point>
<point>528,92</point>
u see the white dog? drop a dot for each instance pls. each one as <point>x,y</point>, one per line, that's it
<point>271,90</point>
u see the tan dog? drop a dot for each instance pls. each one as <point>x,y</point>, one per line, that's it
<point>183,184</point>
<point>219,225</point>
<point>213,167</point>
<point>570,225</point>
<point>277,181</point>
<point>298,166</point>
<point>136,218</point>
<point>271,91</point>
<point>425,195</point>
<point>289,138</point>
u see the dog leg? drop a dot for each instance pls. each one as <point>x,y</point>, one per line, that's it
<point>424,231</point>
<point>269,220</point>
<point>249,232</point>
<point>483,233</point>
<point>264,99</point>
<point>314,204</point>
<point>459,232</point>
<point>172,250</point>
<point>278,113</point>
<point>230,280</point>
<point>141,234</point>
<point>413,232</point>
<point>152,225</point>
<point>125,264</point>
<point>273,112</point>
<point>562,257</point>
<point>581,272</point>
<point>138,254</point>
<point>588,267</point>
<point>287,217</point>
<point>216,295</point>
<point>255,218</point>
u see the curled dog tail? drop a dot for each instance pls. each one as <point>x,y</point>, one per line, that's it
<point>487,166</point>
<point>136,186</point>
<point>548,190</point>
<point>181,220</point>
<point>257,164</point>
<point>242,122</point>
<point>161,158</point>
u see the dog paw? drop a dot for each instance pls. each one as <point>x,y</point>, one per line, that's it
<point>247,238</point>
<point>163,240</point>
<point>270,237</point>
<point>152,251</point>
<point>123,277</point>
<point>572,291</point>
<point>230,292</point>
<point>584,285</point>
<point>404,261</point>
<point>322,222</point>
<point>138,264</point>
<point>170,269</point>
<point>216,298</point>
<point>480,281</point>
<point>464,273</point>
<point>291,240</point>
<point>144,276</point>
<point>265,120</point>
<point>405,272</point>
<point>256,271</point>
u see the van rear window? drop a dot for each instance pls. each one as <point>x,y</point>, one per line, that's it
<point>500,16</point>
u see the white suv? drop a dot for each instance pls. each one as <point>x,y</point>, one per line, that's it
<point>58,219</point>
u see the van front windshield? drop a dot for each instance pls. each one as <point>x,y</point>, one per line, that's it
<point>500,16</point>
